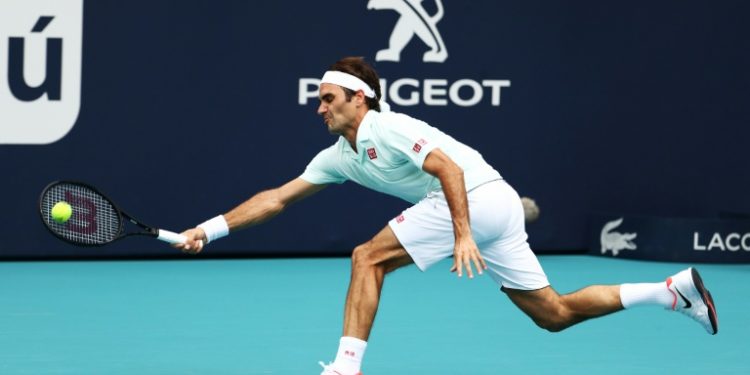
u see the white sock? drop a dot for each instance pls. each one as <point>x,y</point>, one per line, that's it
<point>349,357</point>
<point>641,294</point>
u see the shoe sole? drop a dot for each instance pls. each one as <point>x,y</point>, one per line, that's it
<point>707,300</point>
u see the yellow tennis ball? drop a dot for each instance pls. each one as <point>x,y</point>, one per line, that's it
<point>61,212</point>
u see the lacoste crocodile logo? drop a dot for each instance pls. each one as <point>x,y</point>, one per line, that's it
<point>616,241</point>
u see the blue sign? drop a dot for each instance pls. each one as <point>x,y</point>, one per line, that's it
<point>181,111</point>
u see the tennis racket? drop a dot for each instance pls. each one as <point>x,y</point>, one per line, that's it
<point>96,220</point>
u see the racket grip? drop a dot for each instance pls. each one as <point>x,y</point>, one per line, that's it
<point>171,237</point>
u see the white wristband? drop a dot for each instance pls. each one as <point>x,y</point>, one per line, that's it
<point>215,228</point>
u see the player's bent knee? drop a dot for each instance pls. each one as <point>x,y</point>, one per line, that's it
<point>358,255</point>
<point>363,257</point>
<point>553,320</point>
<point>550,325</point>
<point>367,257</point>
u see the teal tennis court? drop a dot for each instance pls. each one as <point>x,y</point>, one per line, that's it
<point>282,316</point>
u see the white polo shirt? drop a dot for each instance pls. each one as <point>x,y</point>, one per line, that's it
<point>391,148</point>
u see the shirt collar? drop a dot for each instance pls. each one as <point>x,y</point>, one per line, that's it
<point>363,135</point>
<point>365,127</point>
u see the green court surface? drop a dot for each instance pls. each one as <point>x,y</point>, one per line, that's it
<point>282,316</point>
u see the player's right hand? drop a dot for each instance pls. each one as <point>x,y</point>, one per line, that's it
<point>196,238</point>
<point>465,253</point>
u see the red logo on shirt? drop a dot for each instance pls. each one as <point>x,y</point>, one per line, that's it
<point>400,218</point>
<point>417,147</point>
<point>371,153</point>
<point>421,141</point>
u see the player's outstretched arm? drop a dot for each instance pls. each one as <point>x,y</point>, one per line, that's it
<point>259,208</point>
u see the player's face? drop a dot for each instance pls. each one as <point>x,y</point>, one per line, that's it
<point>338,114</point>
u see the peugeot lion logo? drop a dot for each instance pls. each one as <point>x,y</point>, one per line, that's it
<point>616,241</point>
<point>414,20</point>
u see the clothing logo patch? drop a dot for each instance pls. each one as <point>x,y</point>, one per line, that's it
<point>413,21</point>
<point>417,147</point>
<point>400,218</point>
<point>616,241</point>
<point>371,153</point>
<point>421,141</point>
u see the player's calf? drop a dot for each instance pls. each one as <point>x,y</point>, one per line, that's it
<point>555,312</point>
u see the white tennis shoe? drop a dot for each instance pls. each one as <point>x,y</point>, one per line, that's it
<point>328,370</point>
<point>693,299</point>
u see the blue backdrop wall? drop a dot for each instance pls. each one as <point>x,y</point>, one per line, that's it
<point>188,108</point>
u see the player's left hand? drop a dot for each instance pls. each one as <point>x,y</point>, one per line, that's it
<point>465,253</point>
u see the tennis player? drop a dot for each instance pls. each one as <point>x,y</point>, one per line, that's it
<point>461,207</point>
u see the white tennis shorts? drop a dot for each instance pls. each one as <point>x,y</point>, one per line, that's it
<point>425,230</point>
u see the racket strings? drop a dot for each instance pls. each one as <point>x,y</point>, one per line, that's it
<point>95,220</point>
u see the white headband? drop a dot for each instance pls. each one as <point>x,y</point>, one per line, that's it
<point>347,80</point>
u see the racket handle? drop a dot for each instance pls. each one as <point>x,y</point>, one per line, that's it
<point>171,237</point>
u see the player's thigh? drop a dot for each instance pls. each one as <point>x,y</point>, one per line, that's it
<point>383,249</point>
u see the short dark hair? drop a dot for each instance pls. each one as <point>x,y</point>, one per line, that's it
<point>357,67</point>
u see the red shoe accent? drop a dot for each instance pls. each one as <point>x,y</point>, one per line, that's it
<point>669,282</point>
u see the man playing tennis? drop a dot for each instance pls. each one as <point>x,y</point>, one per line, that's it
<point>462,207</point>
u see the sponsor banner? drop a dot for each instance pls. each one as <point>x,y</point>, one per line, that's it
<point>670,239</point>
<point>183,111</point>
<point>416,24</point>
<point>42,98</point>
